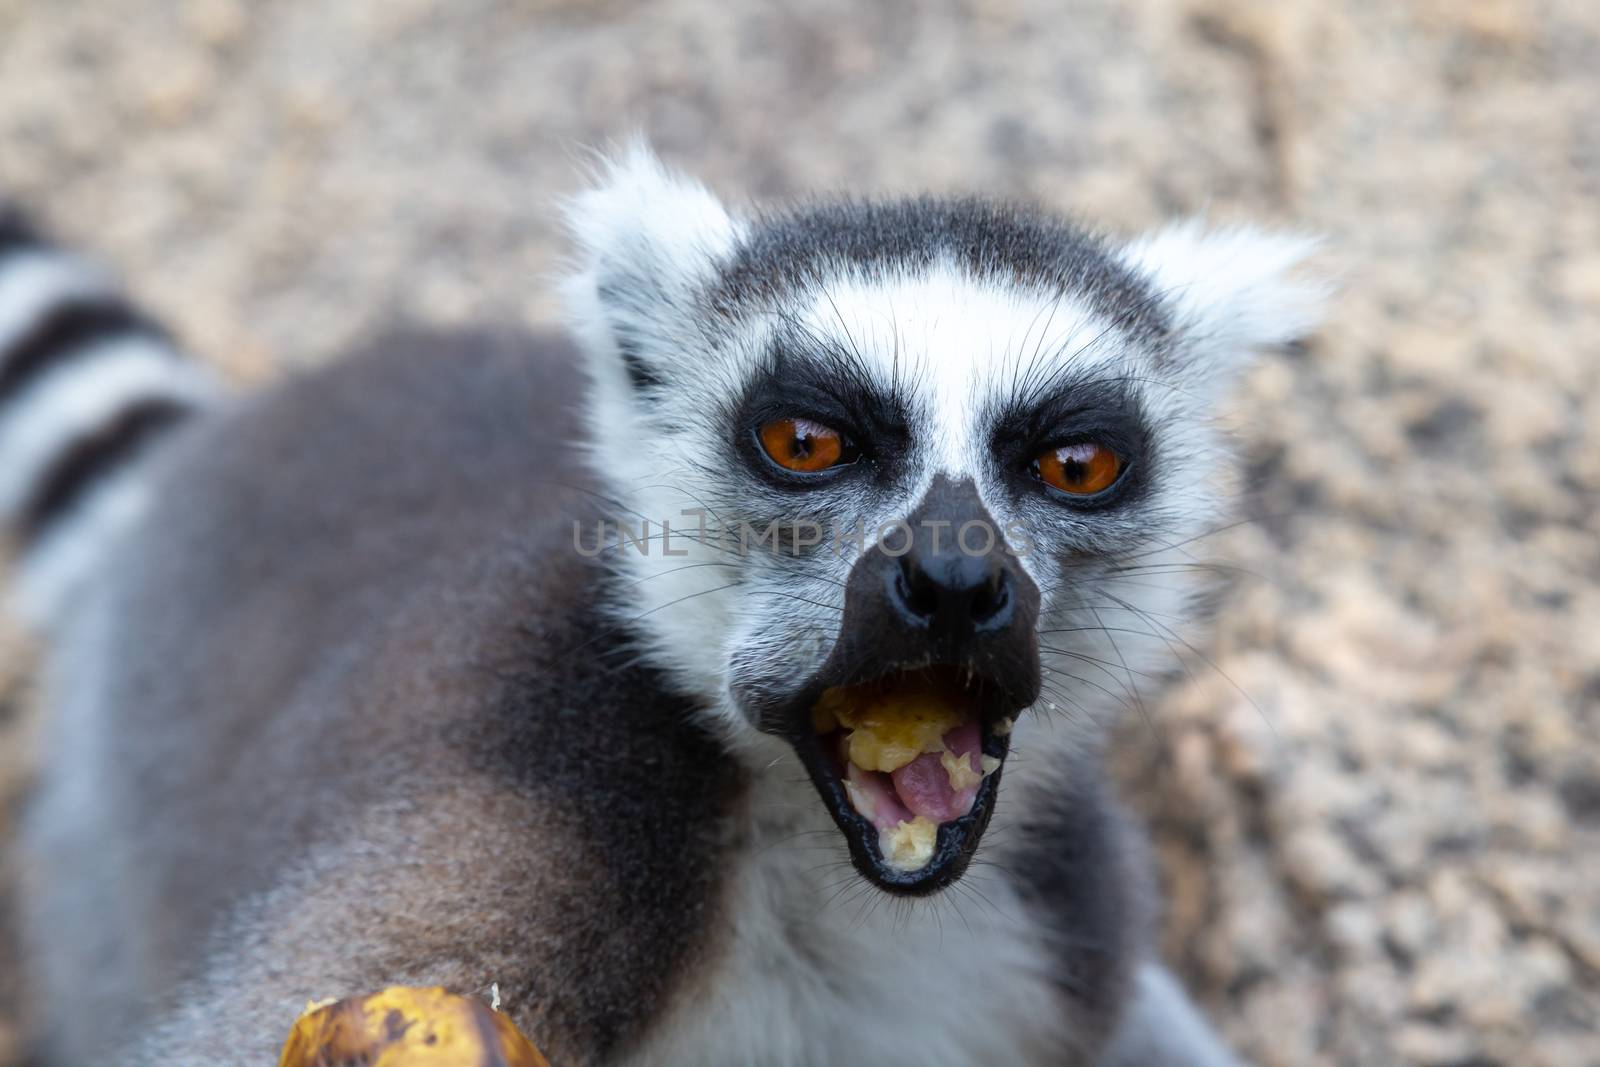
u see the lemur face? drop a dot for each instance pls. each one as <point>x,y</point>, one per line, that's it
<point>909,474</point>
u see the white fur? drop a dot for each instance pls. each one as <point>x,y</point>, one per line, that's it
<point>56,566</point>
<point>821,969</point>
<point>32,282</point>
<point>79,396</point>
<point>646,231</point>
<point>642,228</point>
<point>1231,290</point>
<point>641,217</point>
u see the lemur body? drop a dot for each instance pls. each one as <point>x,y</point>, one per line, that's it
<point>339,702</point>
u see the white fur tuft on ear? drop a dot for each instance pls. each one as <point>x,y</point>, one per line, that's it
<point>1232,290</point>
<point>647,241</point>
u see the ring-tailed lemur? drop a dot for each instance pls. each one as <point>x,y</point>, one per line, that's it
<point>418,669</point>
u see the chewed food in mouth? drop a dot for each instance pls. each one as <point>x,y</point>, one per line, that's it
<point>909,751</point>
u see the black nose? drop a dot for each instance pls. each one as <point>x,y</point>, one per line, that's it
<point>951,591</point>
<point>944,584</point>
<point>941,588</point>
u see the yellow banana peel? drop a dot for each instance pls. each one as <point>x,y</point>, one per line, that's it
<point>405,1027</point>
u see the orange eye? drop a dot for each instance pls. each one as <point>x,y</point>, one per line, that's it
<point>802,445</point>
<point>1081,469</point>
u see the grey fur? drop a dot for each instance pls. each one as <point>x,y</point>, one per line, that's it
<point>392,702</point>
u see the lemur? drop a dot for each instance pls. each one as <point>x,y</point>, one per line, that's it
<point>443,664</point>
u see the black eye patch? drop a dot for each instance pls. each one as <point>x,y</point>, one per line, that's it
<point>829,386</point>
<point>1102,411</point>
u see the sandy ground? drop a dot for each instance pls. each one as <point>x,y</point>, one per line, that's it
<point>1376,791</point>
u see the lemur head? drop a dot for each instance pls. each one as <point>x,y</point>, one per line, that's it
<point>895,473</point>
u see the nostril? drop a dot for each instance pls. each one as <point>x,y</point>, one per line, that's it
<point>990,600</point>
<point>972,597</point>
<point>916,590</point>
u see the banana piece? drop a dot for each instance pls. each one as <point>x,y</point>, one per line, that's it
<point>888,728</point>
<point>404,1027</point>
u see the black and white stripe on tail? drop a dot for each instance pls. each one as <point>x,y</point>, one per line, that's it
<point>87,385</point>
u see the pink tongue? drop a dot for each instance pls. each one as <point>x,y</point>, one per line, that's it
<point>923,785</point>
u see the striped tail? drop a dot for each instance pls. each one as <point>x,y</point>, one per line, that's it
<point>87,385</point>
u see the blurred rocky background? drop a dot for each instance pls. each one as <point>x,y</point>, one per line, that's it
<point>1376,788</point>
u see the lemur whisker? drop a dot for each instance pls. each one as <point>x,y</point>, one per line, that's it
<point>1202,535</point>
<point>659,607</point>
<point>693,497</point>
<point>1138,697</point>
<point>1198,566</point>
<point>975,891</point>
<point>1038,348</point>
<point>962,916</point>
<point>796,596</point>
<point>1099,629</point>
<point>1087,604</point>
<point>1058,697</point>
<point>1208,661</point>
<point>678,570</point>
<point>1065,365</point>
<point>1107,665</point>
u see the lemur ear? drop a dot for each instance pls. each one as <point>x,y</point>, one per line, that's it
<point>647,241</point>
<point>1231,291</point>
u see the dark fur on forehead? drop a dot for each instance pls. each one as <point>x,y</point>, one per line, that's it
<point>1003,241</point>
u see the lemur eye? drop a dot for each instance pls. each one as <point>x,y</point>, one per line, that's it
<point>1081,469</point>
<point>804,446</point>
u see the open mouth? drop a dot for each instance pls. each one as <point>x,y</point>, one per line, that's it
<point>908,765</point>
